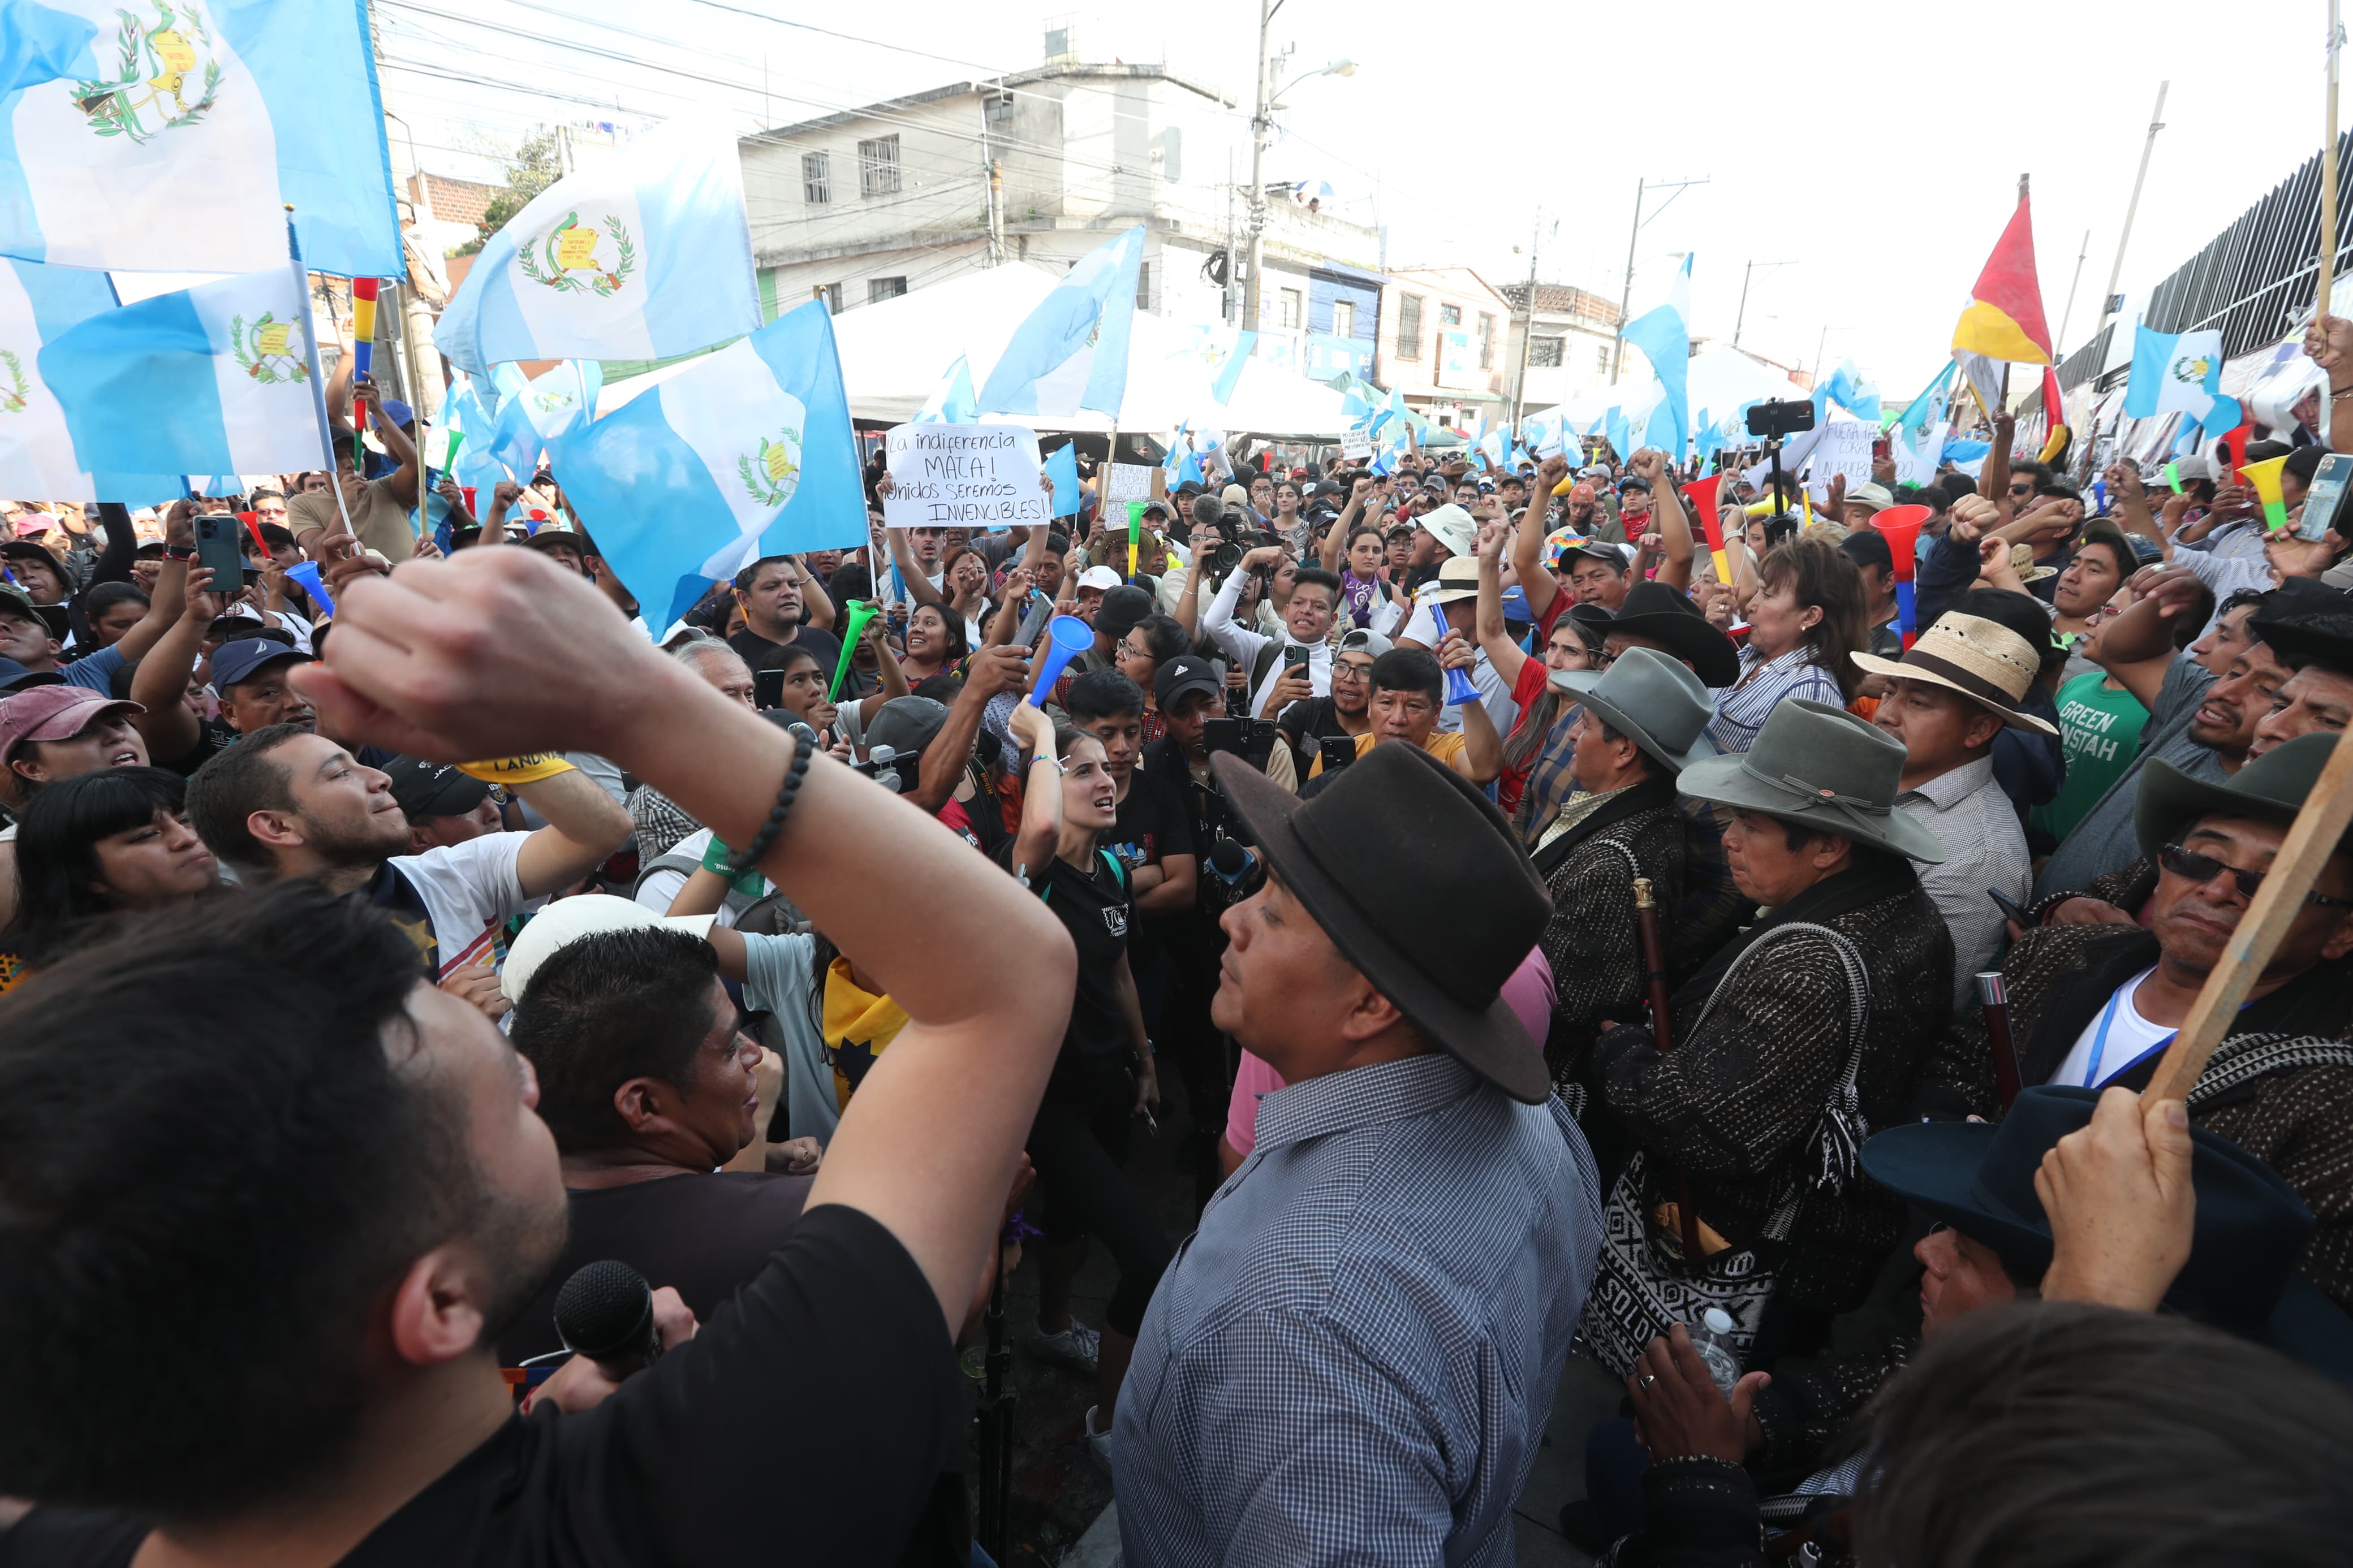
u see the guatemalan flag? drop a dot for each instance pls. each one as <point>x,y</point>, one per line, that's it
<point>642,255</point>
<point>534,417</point>
<point>746,453</point>
<point>1072,352</point>
<point>36,451</point>
<point>210,379</point>
<point>1664,337</point>
<point>170,135</point>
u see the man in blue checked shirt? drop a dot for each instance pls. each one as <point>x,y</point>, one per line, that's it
<point>1353,1357</point>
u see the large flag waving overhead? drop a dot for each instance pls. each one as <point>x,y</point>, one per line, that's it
<point>1664,337</point>
<point>36,451</point>
<point>640,255</point>
<point>746,453</point>
<point>553,405</point>
<point>2004,321</point>
<point>1072,352</point>
<point>170,135</point>
<point>211,380</point>
<point>2176,371</point>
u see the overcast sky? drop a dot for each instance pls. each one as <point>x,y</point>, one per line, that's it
<point>1876,146</point>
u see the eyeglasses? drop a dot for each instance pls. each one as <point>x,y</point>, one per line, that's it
<point>2200,867</point>
<point>1340,668</point>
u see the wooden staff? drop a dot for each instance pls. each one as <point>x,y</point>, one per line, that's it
<point>2320,825</point>
<point>1663,1029</point>
<point>1993,993</point>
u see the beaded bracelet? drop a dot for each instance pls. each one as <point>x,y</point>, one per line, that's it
<point>760,841</point>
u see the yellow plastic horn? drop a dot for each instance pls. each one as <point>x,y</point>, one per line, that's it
<point>2265,476</point>
<point>1565,486</point>
<point>1765,508</point>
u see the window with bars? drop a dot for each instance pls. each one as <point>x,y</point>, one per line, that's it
<point>1294,307</point>
<point>1486,340</point>
<point>1144,286</point>
<point>878,167</point>
<point>1602,356</point>
<point>880,288</point>
<point>1544,354</point>
<point>817,178</point>
<point>1408,326</point>
<point>1449,315</point>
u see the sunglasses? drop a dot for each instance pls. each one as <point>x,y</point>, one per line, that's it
<point>2205,868</point>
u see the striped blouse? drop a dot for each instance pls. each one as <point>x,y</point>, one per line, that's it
<point>1741,708</point>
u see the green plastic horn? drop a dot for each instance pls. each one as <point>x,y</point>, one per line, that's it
<point>861,612</point>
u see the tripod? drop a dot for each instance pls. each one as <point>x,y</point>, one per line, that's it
<point>997,1401</point>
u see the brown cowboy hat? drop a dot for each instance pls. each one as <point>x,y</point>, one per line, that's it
<point>1402,917</point>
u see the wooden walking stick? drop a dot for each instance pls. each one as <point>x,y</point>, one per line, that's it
<point>2312,836</point>
<point>1994,994</point>
<point>1663,1029</point>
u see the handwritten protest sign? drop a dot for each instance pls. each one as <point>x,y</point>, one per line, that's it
<point>965,476</point>
<point>1357,440</point>
<point>1845,448</point>
<point>1127,482</point>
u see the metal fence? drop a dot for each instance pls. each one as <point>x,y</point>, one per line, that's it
<point>2253,280</point>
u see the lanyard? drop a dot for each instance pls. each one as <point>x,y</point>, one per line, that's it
<point>2100,1040</point>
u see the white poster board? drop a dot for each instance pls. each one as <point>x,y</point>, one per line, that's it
<point>1845,448</point>
<point>1357,440</point>
<point>1127,482</point>
<point>965,476</point>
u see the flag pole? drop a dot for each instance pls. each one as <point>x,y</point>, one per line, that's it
<point>317,382</point>
<point>2328,180</point>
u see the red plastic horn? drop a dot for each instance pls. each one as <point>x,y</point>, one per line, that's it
<point>1900,526</point>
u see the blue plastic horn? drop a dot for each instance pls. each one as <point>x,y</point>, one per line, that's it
<point>1067,636</point>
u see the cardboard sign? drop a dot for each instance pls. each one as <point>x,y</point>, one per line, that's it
<point>1357,441</point>
<point>965,476</point>
<point>1845,448</point>
<point>1127,482</point>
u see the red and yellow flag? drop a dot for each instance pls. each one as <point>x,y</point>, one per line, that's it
<point>2005,320</point>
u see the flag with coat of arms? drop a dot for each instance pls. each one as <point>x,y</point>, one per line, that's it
<point>534,415</point>
<point>640,255</point>
<point>36,449</point>
<point>2179,370</point>
<point>746,453</point>
<point>169,135</point>
<point>1070,353</point>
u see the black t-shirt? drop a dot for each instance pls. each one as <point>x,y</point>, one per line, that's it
<point>701,1234</point>
<point>761,654</point>
<point>1094,907</point>
<point>1151,824</point>
<point>683,1464</point>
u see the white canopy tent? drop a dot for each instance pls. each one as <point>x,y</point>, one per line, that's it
<point>894,355</point>
<point>1719,380</point>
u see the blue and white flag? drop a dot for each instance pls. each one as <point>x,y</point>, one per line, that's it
<point>1220,352</point>
<point>1927,412</point>
<point>642,255</point>
<point>534,418</point>
<point>172,135</point>
<point>747,452</point>
<point>1664,337</point>
<point>476,465</point>
<point>1060,469</point>
<point>2174,371</point>
<point>1614,431</point>
<point>952,402</point>
<point>1072,352</point>
<point>1852,393</point>
<point>37,452</point>
<point>210,379</point>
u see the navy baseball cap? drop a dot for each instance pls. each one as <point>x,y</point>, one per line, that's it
<point>239,660</point>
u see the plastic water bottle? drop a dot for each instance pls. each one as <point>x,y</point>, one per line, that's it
<point>1712,1337</point>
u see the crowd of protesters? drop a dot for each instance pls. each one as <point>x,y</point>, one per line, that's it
<point>1535,933</point>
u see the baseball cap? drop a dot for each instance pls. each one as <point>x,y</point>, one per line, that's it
<point>1870,494</point>
<point>568,920</point>
<point>236,661</point>
<point>14,677</point>
<point>1103,579</point>
<point>557,530</point>
<point>1234,495</point>
<point>906,724</point>
<point>426,790</point>
<point>53,713</point>
<point>1364,639</point>
<point>1186,672</point>
<point>1634,483</point>
<point>1122,607</point>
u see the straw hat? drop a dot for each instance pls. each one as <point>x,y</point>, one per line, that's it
<point>2021,560</point>
<point>1983,660</point>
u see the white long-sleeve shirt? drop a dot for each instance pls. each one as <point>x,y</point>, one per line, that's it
<point>1243,645</point>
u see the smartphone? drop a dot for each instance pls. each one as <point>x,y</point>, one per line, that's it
<point>1222,735</point>
<point>1295,657</point>
<point>219,547</point>
<point>2328,496</point>
<point>2010,906</point>
<point>768,688</point>
<point>1338,750</point>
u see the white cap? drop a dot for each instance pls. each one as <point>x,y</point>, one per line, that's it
<point>566,921</point>
<point>1099,577</point>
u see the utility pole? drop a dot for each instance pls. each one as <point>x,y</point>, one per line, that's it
<point>2059,343</point>
<point>995,181</point>
<point>1229,304</point>
<point>1626,295</point>
<point>2155,123</point>
<point>1259,128</point>
<point>1746,272</point>
<point>1528,332</point>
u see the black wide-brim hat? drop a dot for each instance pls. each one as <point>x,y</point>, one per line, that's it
<point>1669,618</point>
<point>1418,881</point>
<point>2250,1229</point>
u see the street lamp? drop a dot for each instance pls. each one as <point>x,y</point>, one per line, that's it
<point>1749,272</point>
<point>1260,127</point>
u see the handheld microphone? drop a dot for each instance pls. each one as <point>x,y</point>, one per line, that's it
<point>605,1312</point>
<point>1230,862</point>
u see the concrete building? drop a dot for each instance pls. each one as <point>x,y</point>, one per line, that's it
<point>1569,342</point>
<point>1443,332</point>
<point>1045,166</point>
